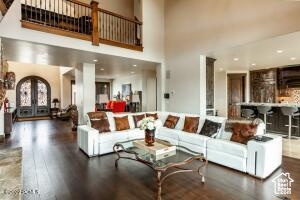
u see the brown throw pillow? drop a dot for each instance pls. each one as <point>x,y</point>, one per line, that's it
<point>97,115</point>
<point>102,125</point>
<point>242,133</point>
<point>154,115</point>
<point>191,124</point>
<point>137,118</point>
<point>122,123</point>
<point>171,121</point>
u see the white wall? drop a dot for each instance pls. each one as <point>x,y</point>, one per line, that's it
<point>49,73</point>
<point>196,27</point>
<point>65,82</point>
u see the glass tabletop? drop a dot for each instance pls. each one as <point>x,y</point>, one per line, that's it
<point>178,155</point>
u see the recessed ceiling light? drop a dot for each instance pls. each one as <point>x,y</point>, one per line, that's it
<point>253,64</point>
<point>134,65</point>
<point>95,60</point>
<point>102,69</point>
<point>279,51</point>
<point>236,59</point>
<point>293,58</point>
<point>132,72</point>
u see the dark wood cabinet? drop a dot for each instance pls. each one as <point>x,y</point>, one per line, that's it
<point>9,120</point>
<point>263,85</point>
<point>210,70</point>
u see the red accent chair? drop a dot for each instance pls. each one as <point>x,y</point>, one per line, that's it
<point>116,106</point>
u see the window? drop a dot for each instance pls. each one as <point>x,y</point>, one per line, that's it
<point>25,94</point>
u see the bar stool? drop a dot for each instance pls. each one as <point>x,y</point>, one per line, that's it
<point>265,110</point>
<point>290,112</point>
<point>248,113</point>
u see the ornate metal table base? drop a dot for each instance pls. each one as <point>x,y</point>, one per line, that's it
<point>161,170</point>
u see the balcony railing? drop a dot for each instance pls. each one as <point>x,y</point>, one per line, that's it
<point>5,5</point>
<point>79,20</point>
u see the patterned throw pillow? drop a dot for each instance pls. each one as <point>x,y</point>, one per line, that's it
<point>242,133</point>
<point>171,121</point>
<point>102,125</point>
<point>210,128</point>
<point>154,115</point>
<point>137,118</point>
<point>191,124</point>
<point>122,123</point>
<point>97,115</point>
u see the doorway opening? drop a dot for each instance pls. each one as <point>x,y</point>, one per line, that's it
<point>235,94</point>
<point>33,97</point>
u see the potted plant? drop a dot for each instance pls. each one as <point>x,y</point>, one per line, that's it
<point>148,124</point>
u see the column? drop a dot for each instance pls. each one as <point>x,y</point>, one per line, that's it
<point>161,85</point>
<point>85,90</point>
<point>202,100</point>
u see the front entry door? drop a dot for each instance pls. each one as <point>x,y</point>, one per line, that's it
<point>33,97</point>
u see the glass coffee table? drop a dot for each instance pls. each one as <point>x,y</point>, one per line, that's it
<point>175,160</point>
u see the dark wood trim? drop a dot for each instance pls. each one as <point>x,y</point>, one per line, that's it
<point>53,30</point>
<point>3,8</point>
<point>2,138</point>
<point>95,23</point>
<point>80,3</point>
<point>118,44</point>
<point>120,16</point>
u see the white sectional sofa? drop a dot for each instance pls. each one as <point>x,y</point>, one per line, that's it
<point>259,159</point>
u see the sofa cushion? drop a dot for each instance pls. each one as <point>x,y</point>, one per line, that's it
<point>102,125</point>
<point>154,115</point>
<point>171,121</point>
<point>242,133</point>
<point>210,128</point>
<point>225,146</point>
<point>191,124</point>
<point>116,136</point>
<point>122,123</point>
<point>137,118</point>
<point>169,133</point>
<point>191,138</point>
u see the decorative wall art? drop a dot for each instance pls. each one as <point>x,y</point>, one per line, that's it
<point>10,80</point>
<point>3,70</point>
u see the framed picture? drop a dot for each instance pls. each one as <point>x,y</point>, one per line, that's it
<point>126,90</point>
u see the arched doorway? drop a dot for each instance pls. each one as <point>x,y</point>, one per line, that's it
<point>33,97</point>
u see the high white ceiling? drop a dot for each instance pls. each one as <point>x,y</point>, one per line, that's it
<point>260,54</point>
<point>27,52</point>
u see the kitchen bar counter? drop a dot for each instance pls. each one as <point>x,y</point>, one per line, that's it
<point>276,122</point>
<point>269,104</point>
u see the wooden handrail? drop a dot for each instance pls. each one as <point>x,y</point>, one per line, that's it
<point>120,16</point>
<point>80,3</point>
<point>3,8</point>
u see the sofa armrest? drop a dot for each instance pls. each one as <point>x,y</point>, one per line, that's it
<point>264,157</point>
<point>88,140</point>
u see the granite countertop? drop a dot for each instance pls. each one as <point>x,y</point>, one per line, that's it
<point>269,104</point>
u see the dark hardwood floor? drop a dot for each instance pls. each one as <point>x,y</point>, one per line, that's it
<point>53,164</point>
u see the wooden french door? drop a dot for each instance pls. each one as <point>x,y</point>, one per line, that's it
<point>33,97</point>
<point>235,94</point>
